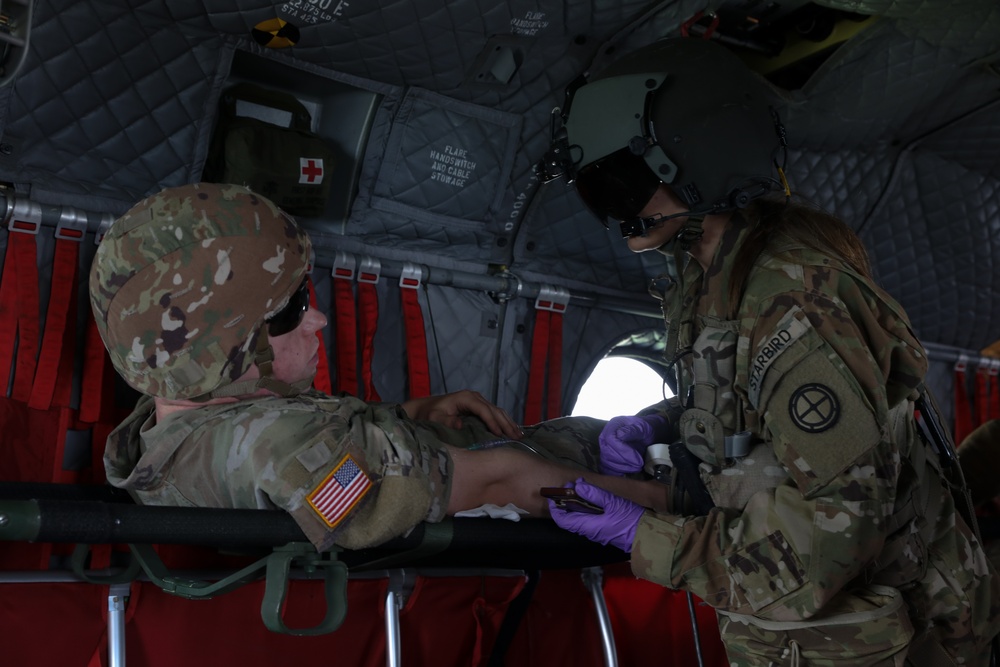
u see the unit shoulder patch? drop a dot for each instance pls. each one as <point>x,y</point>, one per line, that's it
<point>814,407</point>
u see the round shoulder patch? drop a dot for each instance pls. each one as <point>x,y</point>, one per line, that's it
<point>814,408</point>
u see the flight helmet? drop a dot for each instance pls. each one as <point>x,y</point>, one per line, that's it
<point>686,112</point>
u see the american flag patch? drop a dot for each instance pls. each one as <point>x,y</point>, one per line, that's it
<point>340,491</point>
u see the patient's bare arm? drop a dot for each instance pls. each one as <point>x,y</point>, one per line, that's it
<point>500,476</point>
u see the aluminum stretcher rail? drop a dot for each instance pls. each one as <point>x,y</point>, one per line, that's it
<point>88,514</point>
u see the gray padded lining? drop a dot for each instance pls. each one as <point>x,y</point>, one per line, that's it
<point>898,132</point>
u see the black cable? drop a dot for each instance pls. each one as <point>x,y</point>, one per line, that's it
<point>516,611</point>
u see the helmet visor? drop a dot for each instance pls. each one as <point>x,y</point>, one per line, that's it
<point>617,186</point>
<point>288,318</point>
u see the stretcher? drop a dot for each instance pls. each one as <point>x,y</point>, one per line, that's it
<point>277,552</point>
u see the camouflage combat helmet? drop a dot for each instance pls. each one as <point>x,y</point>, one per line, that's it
<point>183,283</point>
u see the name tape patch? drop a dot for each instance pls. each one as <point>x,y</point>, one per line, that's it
<point>789,330</point>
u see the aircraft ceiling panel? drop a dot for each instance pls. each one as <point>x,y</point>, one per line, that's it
<point>897,130</point>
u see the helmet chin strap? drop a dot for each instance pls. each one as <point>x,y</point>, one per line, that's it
<point>263,359</point>
<point>689,233</point>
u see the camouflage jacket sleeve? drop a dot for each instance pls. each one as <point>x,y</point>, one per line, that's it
<point>825,356</point>
<point>359,477</point>
<point>350,473</point>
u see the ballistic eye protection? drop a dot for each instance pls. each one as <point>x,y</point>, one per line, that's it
<point>288,318</point>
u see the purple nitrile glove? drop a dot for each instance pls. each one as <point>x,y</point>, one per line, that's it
<point>624,441</point>
<point>616,526</point>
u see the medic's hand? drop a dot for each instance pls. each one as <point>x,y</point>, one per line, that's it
<point>624,441</point>
<point>616,526</point>
<point>447,409</point>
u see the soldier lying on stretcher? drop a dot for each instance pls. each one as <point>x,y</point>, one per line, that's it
<point>200,297</point>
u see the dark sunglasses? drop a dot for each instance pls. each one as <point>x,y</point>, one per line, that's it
<point>289,317</point>
<point>617,186</point>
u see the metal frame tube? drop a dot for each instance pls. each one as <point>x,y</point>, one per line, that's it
<point>593,579</point>
<point>117,601</point>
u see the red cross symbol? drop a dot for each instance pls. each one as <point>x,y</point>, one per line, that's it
<point>310,170</point>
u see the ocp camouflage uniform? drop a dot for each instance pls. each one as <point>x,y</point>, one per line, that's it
<point>834,540</point>
<point>351,473</point>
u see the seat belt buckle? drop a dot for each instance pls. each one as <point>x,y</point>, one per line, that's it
<point>102,228</point>
<point>962,363</point>
<point>71,227</point>
<point>312,261</point>
<point>25,217</point>
<point>411,276</point>
<point>369,270</point>
<point>552,298</point>
<point>343,266</point>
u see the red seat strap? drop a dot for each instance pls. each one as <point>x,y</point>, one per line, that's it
<point>545,371</point>
<point>418,368</point>
<point>95,370</point>
<point>368,276</point>
<point>346,327</point>
<point>554,397</point>
<point>322,380</point>
<point>963,407</point>
<point>8,313</point>
<point>28,311</point>
<point>60,318</point>
<point>96,380</point>
<point>994,401</point>
<point>536,371</point>
<point>982,395</point>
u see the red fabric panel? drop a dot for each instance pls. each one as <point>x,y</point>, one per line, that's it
<point>29,441</point>
<point>652,624</point>
<point>560,626</point>
<point>51,625</point>
<point>447,621</point>
<point>455,620</point>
